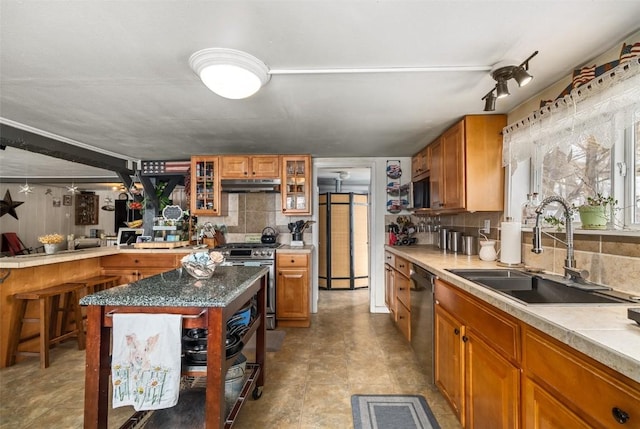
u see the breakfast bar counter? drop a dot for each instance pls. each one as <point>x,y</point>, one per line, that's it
<point>28,273</point>
<point>204,304</point>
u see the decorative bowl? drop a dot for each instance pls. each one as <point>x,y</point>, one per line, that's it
<point>201,265</point>
<point>198,270</point>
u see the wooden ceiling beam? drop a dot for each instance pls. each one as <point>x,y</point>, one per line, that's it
<point>26,140</point>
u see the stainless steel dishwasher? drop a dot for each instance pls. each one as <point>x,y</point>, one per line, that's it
<point>422,318</point>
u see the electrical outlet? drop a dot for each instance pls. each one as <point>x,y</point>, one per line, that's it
<point>486,227</point>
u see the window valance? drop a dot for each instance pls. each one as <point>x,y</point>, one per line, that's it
<point>601,109</point>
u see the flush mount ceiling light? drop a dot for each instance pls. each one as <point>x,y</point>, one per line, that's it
<point>344,175</point>
<point>502,75</point>
<point>229,73</point>
<point>235,74</point>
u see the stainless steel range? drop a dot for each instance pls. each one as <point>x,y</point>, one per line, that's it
<point>255,254</point>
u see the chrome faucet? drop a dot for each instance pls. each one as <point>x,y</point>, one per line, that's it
<point>570,270</point>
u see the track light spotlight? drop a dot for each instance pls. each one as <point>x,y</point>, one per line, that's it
<point>489,101</point>
<point>521,76</point>
<point>502,89</point>
<point>502,75</point>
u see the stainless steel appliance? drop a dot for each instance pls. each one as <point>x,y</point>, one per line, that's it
<point>260,255</point>
<point>420,194</point>
<point>422,318</point>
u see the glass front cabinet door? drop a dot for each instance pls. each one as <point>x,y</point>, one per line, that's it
<point>205,185</point>
<point>296,178</point>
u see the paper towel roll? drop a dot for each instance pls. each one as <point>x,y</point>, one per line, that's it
<point>511,243</point>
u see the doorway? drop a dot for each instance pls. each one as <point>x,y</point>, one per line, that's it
<point>343,177</point>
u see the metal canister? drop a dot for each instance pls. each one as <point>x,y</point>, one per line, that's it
<point>443,238</point>
<point>455,241</point>
<point>469,245</point>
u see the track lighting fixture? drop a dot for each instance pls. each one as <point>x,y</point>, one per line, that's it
<point>502,75</point>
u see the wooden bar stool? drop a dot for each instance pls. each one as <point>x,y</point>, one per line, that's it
<point>48,308</point>
<point>98,283</point>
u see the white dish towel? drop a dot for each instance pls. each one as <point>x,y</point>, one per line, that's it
<point>146,365</point>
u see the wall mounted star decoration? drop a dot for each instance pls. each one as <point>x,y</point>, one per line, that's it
<point>26,189</point>
<point>9,206</point>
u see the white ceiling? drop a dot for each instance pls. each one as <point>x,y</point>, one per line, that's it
<point>114,75</point>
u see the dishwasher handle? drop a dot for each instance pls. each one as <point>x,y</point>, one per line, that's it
<point>423,278</point>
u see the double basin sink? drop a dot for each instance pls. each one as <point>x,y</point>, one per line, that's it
<point>531,288</point>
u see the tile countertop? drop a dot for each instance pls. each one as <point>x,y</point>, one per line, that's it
<point>294,249</point>
<point>603,333</point>
<point>38,259</point>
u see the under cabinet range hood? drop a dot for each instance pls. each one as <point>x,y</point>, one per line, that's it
<point>250,185</point>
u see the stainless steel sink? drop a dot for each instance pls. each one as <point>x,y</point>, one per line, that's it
<point>535,289</point>
<point>472,273</point>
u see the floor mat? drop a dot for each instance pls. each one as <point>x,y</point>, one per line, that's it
<point>392,412</point>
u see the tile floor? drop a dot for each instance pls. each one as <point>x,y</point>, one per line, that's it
<point>309,381</point>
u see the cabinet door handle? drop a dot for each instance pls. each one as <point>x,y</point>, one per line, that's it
<point>401,265</point>
<point>465,338</point>
<point>620,415</point>
<point>456,331</point>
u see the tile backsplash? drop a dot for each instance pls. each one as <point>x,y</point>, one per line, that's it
<point>611,260</point>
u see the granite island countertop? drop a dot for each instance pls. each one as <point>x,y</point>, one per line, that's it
<point>600,331</point>
<point>176,288</point>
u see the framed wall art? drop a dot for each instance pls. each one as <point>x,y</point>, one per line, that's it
<point>66,200</point>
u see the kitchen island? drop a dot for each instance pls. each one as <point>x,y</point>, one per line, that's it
<point>203,304</point>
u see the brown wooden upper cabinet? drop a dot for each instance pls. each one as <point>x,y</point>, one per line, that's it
<point>206,198</point>
<point>296,184</point>
<point>466,166</point>
<point>250,167</point>
<point>420,165</point>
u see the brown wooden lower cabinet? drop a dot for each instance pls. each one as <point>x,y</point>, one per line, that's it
<point>596,393</point>
<point>482,387</point>
<point>449,360</point>
<point>541,410</point>
<point>131,267</point>
<point>492,386</point>
<point>292,290</point>
<point>498,372</point>
<point>398,292</point>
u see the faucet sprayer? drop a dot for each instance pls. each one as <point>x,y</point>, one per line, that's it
<point>569,262</point>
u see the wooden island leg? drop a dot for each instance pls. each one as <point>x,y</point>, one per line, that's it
<point>98,368</point>
<point>215,414</point>
<point>261,344</point>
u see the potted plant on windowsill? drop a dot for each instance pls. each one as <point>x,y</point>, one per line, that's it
<point>597,211</point>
